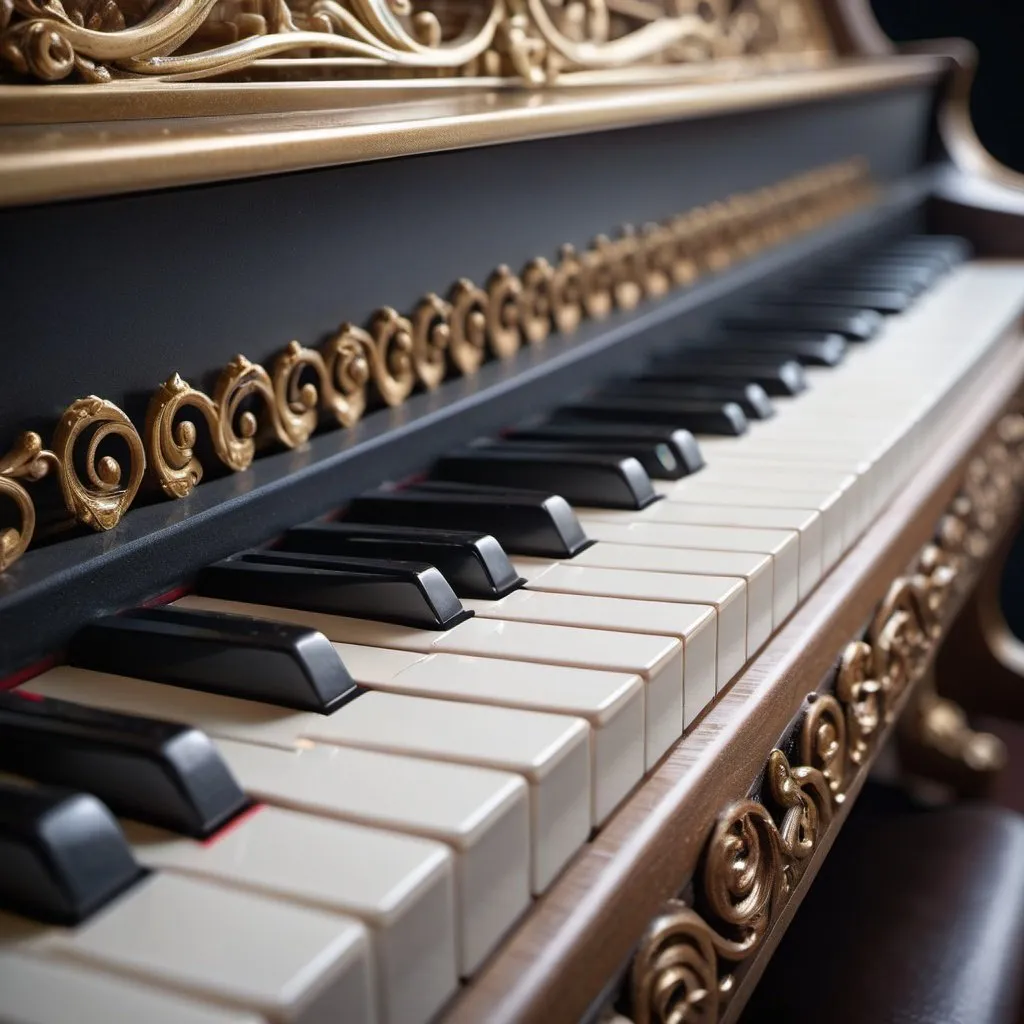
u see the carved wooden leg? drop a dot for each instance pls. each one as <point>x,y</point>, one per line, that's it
<point>936,742</point>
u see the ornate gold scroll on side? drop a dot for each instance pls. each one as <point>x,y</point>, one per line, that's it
<point>533,41</point>
<point>99,499</point>
<point>688,961</point>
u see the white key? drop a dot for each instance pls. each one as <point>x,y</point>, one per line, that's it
<point>726,595</point>
<point>293,965</point>
<point>828,503</point>
<point>482,815</point>
<point>806,523</point>
<point>777,482</point>
<point>694,626</point>
<point>782,545</point>
<point>40,991</point>
<point>556,683</point>
<point>399,886</point>
<point>756,569</point>
<point>551,751</point>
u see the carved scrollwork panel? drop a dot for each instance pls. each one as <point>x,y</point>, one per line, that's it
<point>26,462</point>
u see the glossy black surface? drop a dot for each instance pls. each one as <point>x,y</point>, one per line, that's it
<point>888,300</point>
<point>854,324</point>
<point>778,376</point>
<point>475,564</point>
<point>62,854</point>
<point>807,347</point>
<point>406,593</point>
<point>751,398</point>
<point>523,523</point>
<point>160,773</point>
<point>683,450</point>
<point>699,417</point>
<point>228,654</point>
<point>657,458</point>
<point>582,478</point>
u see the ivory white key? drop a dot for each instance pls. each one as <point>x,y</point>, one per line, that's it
<point>757,570</point>
<point>694,626</point>
<point>827,502</point>
<point>783,546</point>
<point>290,964</point>
<point>482,816</point>
<point>551,751</point>
<point>782,479</point>
<point>401,887</point>
<point>806,523</point>
<point>555,684</point>
<point>36,990</point>
<point>727,595</point>
<point>612,703</point>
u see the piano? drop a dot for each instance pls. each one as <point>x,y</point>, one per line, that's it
<point>482,484</point>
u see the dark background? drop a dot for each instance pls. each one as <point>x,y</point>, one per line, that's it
<point>996,27</point>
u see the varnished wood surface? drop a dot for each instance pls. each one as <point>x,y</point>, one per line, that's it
<point>581,932</point>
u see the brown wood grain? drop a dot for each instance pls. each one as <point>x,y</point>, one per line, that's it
<point>578,935</point>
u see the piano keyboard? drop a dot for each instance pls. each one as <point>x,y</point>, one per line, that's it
<point>396,729</point>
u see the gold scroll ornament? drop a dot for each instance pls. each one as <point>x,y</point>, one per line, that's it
<point>686,964</point>
<point>533,41</point>
<point>98,500</point>
<point>382,364</point>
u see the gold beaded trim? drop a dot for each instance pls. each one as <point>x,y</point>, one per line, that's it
<point>254,407</point>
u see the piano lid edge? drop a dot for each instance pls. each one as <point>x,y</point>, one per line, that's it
<point>241,131</point>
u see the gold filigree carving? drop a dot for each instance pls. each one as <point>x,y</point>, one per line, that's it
<point>343,390</point>
<point>27,461</point>
<point>752,861</point>
<point>823,741</point>
<point>899,637</point>
<point>467,325</point>
<point>234,429</point>
<point>861,694</point>
<point>431,337</point>
<point>504,312</point>
<point>538,301</point>
<point>103,497</point>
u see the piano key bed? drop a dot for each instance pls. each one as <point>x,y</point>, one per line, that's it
<point>330,781</point>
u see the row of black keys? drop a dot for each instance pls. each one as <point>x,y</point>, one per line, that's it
<point>404,556</point>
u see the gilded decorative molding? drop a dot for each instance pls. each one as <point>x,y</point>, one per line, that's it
<point>382,364</point>
<point>688,962</point>
<point>100,499</point>
<point>533,41</point>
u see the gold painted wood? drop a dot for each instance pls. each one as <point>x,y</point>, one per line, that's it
<point>584,929</point>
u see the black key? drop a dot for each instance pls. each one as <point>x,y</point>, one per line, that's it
<point>681,444</point>
<point>953,248</point>
<point>235,655</point>
<point>779,377</point>
<point>855,324</point>
<point>881,300</point>
<point>604,481</point>
<point>808,349</point>
<point>160,773</point>
<point>475,564</point>
<point>62,855</point>
<point>657,458</point>
<point>911,284</point>
<point>751,398</point>
<point>406,593</point>
<point>700,417</point>
<point>525,524</point>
